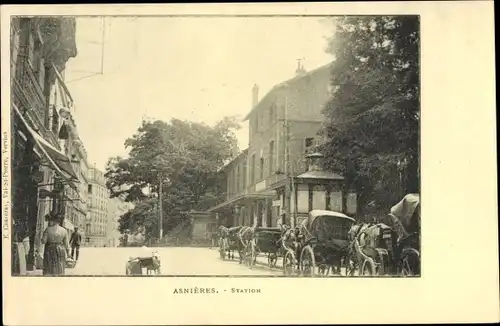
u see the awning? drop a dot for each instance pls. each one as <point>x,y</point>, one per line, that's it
<point>263,195</point>
<point>57,159</point>
<point>325,175</point>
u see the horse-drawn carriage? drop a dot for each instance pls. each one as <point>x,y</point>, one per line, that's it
<point>135,265</point>
<point>391,247</point>
<point>264,240</point>
<point>320,241</point>
<point>233,239</point>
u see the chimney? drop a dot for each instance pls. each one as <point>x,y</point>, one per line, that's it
<point>300,69</point>
<point>255,95</point>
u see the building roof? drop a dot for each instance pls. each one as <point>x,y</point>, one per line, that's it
<point>320,175</point>
<point>284,84</point>
<point>228,163</point>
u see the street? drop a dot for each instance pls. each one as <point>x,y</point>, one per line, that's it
<point>174,261</point>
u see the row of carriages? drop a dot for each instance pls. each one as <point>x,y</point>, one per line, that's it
<point>332,243</point>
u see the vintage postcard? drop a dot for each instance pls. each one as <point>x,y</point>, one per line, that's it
<point>279,159</point>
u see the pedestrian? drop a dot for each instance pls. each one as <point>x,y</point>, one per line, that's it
<point>55,239</point>
<point>75,241</point>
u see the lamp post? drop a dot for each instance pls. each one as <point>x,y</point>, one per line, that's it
<point>160,208</point>
<point>288,171</point>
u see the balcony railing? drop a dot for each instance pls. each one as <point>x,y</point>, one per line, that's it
<point>27,90</point>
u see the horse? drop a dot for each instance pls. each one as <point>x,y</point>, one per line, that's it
<point>230,239</point>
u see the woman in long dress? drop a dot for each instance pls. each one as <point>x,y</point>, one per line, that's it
<point>55,239</point>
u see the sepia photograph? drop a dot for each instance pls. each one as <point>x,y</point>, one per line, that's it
<point>301,160</point>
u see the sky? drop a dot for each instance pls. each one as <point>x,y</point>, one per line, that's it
<point>197,69</point>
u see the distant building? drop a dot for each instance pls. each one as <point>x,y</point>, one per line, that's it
<point>98,200</point>
<point>287,118</point>
<point>116,208</point>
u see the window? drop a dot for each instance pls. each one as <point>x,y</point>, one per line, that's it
<point>319,197</point>
<point>271,157</point>
<point>31,48</point>
<point>90,189</point>
<point>303,198</point>
<point>336,201</point>
<point>238,178</point>
<point>55,121</point>
<point>244,175</point>
<point>257,122</point>
<point>252,169</point>
<point>38,63</point>
<point>309,142</point>
<point>261,171</point>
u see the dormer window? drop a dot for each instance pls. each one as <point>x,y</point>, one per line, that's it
<point>55,120</point>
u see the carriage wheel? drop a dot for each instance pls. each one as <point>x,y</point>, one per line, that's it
<point>350,266</point>
<point>289,263</point>
<point>406,269</point>
<point>272,259</point>
<point>323,270</point>
<point>222,249</point>
<point>307,261</point>
<point>381,270</point>
<point>410,264</point>
<point>368,268</point>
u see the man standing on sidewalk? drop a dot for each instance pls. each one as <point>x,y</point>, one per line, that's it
<point>75,241</point>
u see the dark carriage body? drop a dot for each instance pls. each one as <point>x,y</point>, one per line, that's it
<point>267,239</point>
<point>407,250</point>
<point>327,234</point>
<point>331,234</point>
<point>391,247</point>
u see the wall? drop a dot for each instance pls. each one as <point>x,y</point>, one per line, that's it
<point>235,176</point>
<point>116,208</point>
<point>98,200</point>
<point>304,99</point>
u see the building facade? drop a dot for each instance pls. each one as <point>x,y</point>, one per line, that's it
<point>98,201</point>
<point>42,171</point>
<point>116,208</point>
<point>276,180</point>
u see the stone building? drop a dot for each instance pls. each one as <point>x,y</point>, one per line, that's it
<point>283,128</point>
<point>42,171</point>
<point>116,208</point>
<point>98,201</point>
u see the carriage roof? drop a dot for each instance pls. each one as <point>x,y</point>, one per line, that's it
<point>405,209</point>
<point>324,213</point>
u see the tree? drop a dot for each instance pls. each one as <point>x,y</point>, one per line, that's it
<point>187,156</point>
<point>373,115</point>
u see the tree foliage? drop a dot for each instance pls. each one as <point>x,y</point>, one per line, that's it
<point>373,115</point>
<point>186,156</point>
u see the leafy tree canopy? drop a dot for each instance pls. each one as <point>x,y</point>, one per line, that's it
<point>187,156</point>
<point>373,115</point>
